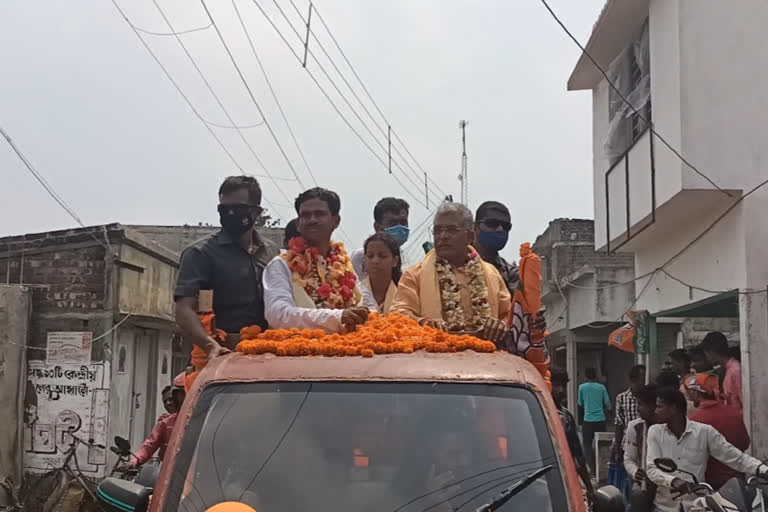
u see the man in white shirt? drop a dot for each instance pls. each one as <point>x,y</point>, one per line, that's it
<point>313,284</point>
<point>643,490</point>
<point>689,444</point>
<point>390,216</point>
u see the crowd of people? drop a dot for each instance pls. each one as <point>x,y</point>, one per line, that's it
<point>462,285</point>
<point>691,412</point>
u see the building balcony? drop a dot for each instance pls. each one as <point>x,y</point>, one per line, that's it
<point>648,192</point>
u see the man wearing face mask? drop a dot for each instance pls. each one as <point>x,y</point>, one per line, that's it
<point>390,216</point>
<point>230,263</point>
<point>492,226</point>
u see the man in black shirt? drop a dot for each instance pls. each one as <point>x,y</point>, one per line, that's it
<point>230,263</point>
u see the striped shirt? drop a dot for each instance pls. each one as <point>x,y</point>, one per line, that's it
<point>626,408</point>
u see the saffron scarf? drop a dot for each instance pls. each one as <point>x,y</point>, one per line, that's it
<point>387,299</point>
<point>430,297</point>
<point>528,341</point>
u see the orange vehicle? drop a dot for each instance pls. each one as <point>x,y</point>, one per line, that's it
<point>389,433</point>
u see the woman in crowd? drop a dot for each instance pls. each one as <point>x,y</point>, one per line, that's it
<point>382,264</point>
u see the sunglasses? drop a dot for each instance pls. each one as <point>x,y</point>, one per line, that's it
<point>495,223</point>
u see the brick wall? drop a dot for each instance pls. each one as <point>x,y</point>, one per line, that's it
<point>68,277</point>
<point>568,244</point>
<point>62,278</point>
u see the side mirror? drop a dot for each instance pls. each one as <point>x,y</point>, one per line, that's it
<point>666,465</point>
<point>120,495</point>
<point>609,499</point>
<point>123,445</point>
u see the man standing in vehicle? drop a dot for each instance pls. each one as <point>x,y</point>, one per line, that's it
<point>492,227</point>
<point>313,285</point>
<point>690,444</point>
<point>390,216</point>
<point>230,263</point>
<point>453,289</point>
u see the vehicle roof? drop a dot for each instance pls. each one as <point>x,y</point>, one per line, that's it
<point>498,367</point>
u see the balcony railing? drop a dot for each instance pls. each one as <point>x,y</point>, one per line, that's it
<point>633,158</point>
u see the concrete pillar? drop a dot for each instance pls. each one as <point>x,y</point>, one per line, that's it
<point>571,366</point>
<point>753,316</point>
<point>753,320</point>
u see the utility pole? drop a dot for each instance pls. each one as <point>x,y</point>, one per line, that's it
<point>463,175</point>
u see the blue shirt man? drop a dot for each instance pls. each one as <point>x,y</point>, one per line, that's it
<point>594,400</point>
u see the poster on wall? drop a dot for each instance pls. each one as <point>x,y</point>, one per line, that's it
<point>69,347</point>
<point>62,401</point>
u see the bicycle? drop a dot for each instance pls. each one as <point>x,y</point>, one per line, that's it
<point>45,493</point>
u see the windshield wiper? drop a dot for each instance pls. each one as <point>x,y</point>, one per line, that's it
<point>516,488</point>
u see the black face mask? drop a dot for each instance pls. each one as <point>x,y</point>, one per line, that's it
<point>236,219</point>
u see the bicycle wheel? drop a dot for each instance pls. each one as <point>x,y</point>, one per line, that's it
<point>40,490</point>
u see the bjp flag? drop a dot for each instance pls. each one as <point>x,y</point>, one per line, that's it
<point>623,338</point>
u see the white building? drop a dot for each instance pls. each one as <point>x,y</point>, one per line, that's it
<point>696,69</point>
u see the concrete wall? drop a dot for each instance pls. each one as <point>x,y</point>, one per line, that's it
<point>146,289</point>
<point>723,90</point>
<point>15,307</point>
<point>177,238</point>
<point>77,287</point>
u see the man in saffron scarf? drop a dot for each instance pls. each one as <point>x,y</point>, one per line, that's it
<point>313,285</point>
<point>453,288</point>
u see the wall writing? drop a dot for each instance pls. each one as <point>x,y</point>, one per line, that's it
<point>65,400</point>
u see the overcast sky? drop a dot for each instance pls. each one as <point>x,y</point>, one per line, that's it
<point>86,103</point>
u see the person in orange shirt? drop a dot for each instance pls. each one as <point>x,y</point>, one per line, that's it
<point>453,289</point>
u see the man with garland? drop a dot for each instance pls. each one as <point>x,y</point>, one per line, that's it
<point>313,284</point>
<point>453,288</point>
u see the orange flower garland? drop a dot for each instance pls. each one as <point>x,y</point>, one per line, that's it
<point>328,280</point>
<point>393,334</point>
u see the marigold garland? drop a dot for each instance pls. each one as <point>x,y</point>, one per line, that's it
<point>393,334</point>
<point>450,293</point>
<point>328,280</point>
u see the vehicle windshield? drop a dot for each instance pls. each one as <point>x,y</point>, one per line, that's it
<point>380,447</point>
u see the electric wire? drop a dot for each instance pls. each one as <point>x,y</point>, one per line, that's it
<point>272,91</point>
<point>334,106</point>
<point>189,103</point>
<point>219,102</point>
<point>417,185</point>
<point>435,190</point>
<point>629,103</point>
<point>250,93</point>
<point>370,97</point>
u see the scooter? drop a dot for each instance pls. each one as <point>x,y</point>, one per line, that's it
<point>145,476</point>
<point>129,493</point>
<point>735,495</point>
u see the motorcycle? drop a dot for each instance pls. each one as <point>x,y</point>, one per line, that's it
<point>134,488</point>
<point>735,495</point>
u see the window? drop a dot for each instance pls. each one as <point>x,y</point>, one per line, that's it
<point>630,73</point>
<point>331,447</point>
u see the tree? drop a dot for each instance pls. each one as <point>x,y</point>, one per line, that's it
<point>265,220</point>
